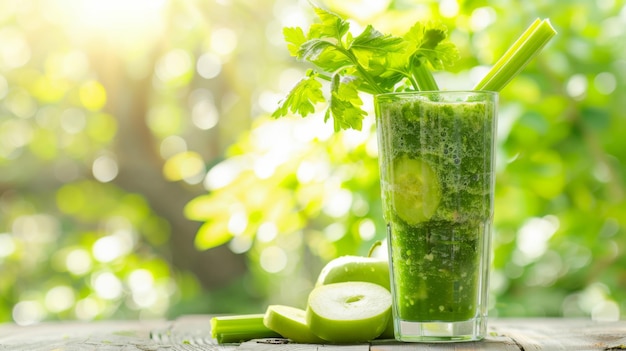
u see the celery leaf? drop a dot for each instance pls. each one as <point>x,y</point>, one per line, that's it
<point>302,98</point>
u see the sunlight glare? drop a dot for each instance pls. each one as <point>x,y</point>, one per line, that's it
<point>273,259</point>
<point>187,166</point>
<point>606,311</point>
<point>38,228</point>
<point>59,298</point>
<point>73,120</point>
<point>4,87</point>
<point>141,280</point>
<point>7,246</point>
<point>87,309</point>
<point>28,312</point>
<point>605,83</point>
<point>338,203</point>
<point>223,41</point>
<point>107,285</point>
<point>14,51</point>
<point>449,8</point>
<point>593,296</point>
<point>267,232</point>
<point>482,18</point>
<point>172,65</point>
<point>172,145</point>
<point>576,86</point>
<point>363,10</point>
<point>223,173</point>
<point>335,231</point>
<point>78,261</point>
<point>105,168</point>
<point>240,244</point>
<point>367,229</point>
<point>310,171</point>
<point>204,114</point>
<point>533,236</point>
<point>209,65</point>
<point>238,221</point>
<point>109,248</point>
<point>119,16</point>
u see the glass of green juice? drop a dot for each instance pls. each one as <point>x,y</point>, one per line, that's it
<point>436,158</point>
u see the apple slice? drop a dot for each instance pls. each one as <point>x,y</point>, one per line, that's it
<point>355,269</point>
<point>348,312</point>
<point>290,323</point>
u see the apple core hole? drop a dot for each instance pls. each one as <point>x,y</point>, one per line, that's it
<point>353,299</point>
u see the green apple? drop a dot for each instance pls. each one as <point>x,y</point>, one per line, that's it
<point>290,322</point>
<point>355,269</point>
<point>389,332</point>
<point>359,268</point>
<point>348,312</point>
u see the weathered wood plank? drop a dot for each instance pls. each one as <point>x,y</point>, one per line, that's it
<point>188,330</point>
<point>563,334</point>
<point>285,345</point>
<point>192,333</point>
<point>70,336</point>
<point>275,345</point>
<point>491,343</point>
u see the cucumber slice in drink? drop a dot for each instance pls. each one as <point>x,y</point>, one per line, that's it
<point>349,312</point>
<point>415,190</point>
<point>290,323</point>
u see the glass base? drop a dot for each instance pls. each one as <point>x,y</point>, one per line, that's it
<point>470,330</point>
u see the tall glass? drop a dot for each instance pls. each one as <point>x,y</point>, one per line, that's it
<point>436,157</point>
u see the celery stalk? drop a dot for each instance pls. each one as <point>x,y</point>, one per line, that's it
<point>517,56</point>
<point>424,78</point>
<point>239,328</point>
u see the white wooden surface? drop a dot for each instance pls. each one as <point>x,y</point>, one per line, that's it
<point>192,333</point>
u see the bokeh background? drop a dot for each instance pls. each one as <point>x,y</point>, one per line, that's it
<point>141,175</point>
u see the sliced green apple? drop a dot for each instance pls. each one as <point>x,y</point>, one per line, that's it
<point>355,269</point>
<point>389,332</point>
<point>290,322</point>
<point>348,312</point>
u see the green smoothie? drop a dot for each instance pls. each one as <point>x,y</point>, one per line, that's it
<point>436,165</point>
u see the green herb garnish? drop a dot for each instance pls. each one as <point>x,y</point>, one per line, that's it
<point>371,62</point>
<point>377,63</point>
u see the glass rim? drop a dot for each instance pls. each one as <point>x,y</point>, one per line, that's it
<point>443,92</point>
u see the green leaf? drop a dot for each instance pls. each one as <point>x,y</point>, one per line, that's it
<point>302,98</point>
<point>324,54</point>
<point>373,41</point>
<point>294,38</point>
<point>212,234</point>
<point>383,56</point>
<point>331,26</point>
<point>345,104</point>
<point>430,42</point>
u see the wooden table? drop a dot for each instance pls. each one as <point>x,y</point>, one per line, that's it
<point>193,333</point>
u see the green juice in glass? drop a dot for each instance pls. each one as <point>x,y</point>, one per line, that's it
<point>436,155</point>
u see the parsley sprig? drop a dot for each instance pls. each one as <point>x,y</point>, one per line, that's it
<point>371,62</point>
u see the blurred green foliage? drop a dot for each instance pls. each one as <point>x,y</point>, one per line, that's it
<point>130,131</point>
